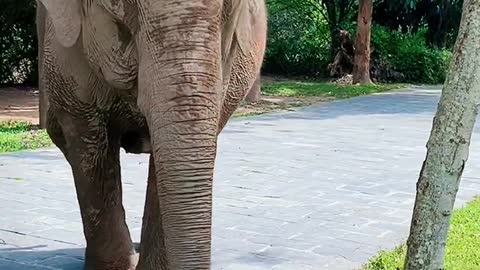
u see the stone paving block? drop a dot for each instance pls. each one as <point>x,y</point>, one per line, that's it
<point>402,228</point>
<point>288,241</point>
<point>382,241</point>
<point>244,266</point>
<point>233,259</point>
<point>292,214</point>
<point>357,253</point>
<point>62,262</point>
<point>243,245</point>
<point>22,226</point>
<point>339,264</point>
<point>290,266</point>
<point>29,242</point>
<point>27,255</point>
<point>13,265</point>
<point>221,209</point>
<point>62,235</point>
<point>307,258</point>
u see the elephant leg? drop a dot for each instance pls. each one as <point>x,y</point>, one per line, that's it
<point>55,132</point>
<point>235,92</point>
<point>95,161</point>
<point>239,81</point>
<point>152,247</point>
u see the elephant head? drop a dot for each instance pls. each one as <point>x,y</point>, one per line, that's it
<point>171,55</point>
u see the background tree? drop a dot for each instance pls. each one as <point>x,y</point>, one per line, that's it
<point>337,13</point>
<point>361,67</point>
<point>447,149</point>
<point>443,18</point>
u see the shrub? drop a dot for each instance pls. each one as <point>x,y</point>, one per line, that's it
<point>409,54</point>
<point>18,53</point>
<point>298,43</point>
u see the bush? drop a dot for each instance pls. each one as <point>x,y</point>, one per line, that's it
<point>298,43</point>
<point>409,54</point>
<point>18,53</point>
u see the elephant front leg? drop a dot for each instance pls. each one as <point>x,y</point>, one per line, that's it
<point>95,162</point>
<point>152,246</point>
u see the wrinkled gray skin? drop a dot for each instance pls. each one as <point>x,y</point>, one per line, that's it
<point>151,76</point>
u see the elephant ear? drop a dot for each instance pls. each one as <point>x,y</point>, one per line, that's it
<point>66,19</point>
<point>246,15</point>
<point>238,25</point>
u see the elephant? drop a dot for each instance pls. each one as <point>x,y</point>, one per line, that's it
<point>160,77</point>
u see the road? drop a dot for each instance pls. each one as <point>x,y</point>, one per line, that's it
<point>323,187</point>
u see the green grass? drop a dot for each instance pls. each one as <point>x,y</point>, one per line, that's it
<point>311,89</point>
<point>463,244</point>
<point>20,135</point>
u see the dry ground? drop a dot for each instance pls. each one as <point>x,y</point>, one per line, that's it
<point>19,104</point>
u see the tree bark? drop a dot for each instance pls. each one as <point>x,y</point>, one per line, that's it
<point>361,67</point>
<point>447,148</point>
<point>331,17</point>
<point>255,93</point>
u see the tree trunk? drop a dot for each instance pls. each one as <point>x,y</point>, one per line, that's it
<point>255,93</point>
<point>447,149</point>
<point>361,67</point>
<point>331,12</point>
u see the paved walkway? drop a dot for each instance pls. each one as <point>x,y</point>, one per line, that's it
<point>325,187</point>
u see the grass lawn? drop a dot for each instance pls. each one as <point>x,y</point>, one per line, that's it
<point>463,245</point>
<point>20,135</point>
<point>310,89</point>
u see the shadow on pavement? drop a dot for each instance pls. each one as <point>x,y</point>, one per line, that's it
<point>34,258</point>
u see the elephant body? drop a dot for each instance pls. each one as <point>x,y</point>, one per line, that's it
<point>150,76</point>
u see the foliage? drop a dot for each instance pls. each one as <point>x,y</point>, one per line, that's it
<point>312,88</point>
<point>462,245</point>
<point>298,42</point>
<point>409,54</point>
<point>440,17</point>
<point>18,54</point>
<point>302,36</point>
<point>335,13</point>
<point>20,135</point>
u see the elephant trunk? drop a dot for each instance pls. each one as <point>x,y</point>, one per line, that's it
<point>179,93</point>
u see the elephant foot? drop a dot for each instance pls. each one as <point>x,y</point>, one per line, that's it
<point>123,263</point>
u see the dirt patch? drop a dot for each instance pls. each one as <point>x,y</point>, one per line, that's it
<point>274,103</point>
<point>19,104</point>
<point>22,104</point>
